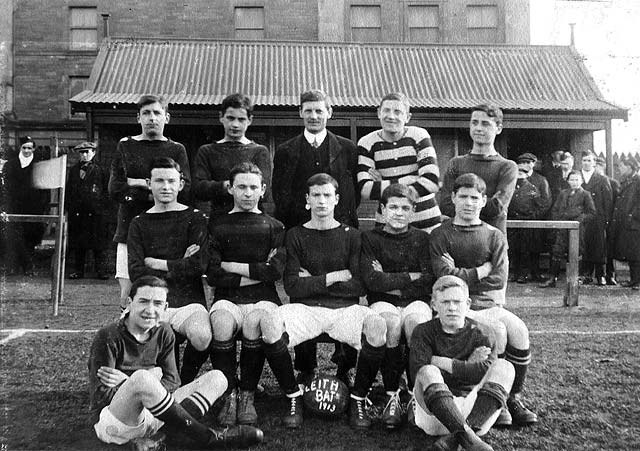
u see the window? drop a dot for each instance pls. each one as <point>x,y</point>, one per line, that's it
<point>249,22</point>
<point>84,28</point>
<point>423,23</point>
<point>365,24</point>
<point>482,23</point>
<point>77,84</point>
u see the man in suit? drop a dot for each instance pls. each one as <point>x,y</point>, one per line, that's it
<point>610,275</point>
<point>315,151</point>
<point>595,251</point>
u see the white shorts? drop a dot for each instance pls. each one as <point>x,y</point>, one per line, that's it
<point>303,322</point>
<point>426,421</point>
<point>111,430</point>
<point>240,311</point>
<point>419,308</point>
<point>176,317</point>
<point>122,261</point>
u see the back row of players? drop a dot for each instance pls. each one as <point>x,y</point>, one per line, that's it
<point>326,265</point>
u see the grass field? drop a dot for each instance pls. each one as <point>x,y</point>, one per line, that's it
<point>584,381</point>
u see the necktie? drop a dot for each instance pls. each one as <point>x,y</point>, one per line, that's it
<point>315,144</point>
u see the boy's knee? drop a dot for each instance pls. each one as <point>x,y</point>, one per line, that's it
<point>272,327</point>
<point>214,378</point>
<point>252,320</point>
<point>517,332</point>
<point>374,329</point>
<point>394,328</point>
<point>142,380</point>
<point>429,374</point>
<point>503,373</point>
<point>223,325</point>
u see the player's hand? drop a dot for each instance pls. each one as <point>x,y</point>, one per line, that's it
<point>344,275</point>
<point>415,275</point>
<point>272,254</point>
<point>484,270</point>
<point>303,273</point>
<point>479,354</point>
<point>191,250</point>
<point>111,377</point>
<point>448,260</point>
<point>376,266</point>
<point>375,175</point>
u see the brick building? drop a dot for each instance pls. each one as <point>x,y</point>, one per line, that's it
<point>57,45</point>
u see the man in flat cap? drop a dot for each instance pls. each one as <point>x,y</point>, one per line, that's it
<point>531,240</point>
<point>87,202</point>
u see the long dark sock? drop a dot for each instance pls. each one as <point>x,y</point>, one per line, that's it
<point>192,361</point>
<point>305,356</point>
<point>196,405</point>
<point>491,397</point>
<point>391,367</point>
<point>179,419</point>
<point>223,358</point>
<point>520,359</point>
<point>251,363</point>
<point>439,400</point>
<point>367,367</point>
<point>407,370</point>
<point>280,362</point>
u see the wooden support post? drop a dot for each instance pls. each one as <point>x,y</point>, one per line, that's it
<point>571,293</point>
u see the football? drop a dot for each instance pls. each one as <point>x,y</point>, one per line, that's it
<point>326,397</point>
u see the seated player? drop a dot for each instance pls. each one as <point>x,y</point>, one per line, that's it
<point>247,257</point>
<point>460,384</point>
<point>398,278</point>
<point>133,380</point>
<point>475,251</point>
<point>170,241</point>
<point>322,278</point>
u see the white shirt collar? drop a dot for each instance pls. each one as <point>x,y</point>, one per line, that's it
<point>25,161</point>
<point>586,176</point>
<point>319,137</point>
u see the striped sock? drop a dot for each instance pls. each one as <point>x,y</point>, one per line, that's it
<point>520,358</point>
<point>196,404</point>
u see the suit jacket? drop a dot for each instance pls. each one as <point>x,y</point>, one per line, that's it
<point>343,161</point>
<point>595,229</point>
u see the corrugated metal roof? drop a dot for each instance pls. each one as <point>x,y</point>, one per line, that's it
<point>203,72</point>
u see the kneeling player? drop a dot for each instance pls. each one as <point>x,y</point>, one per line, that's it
<point>322,278</point>
<point>475,251</point>
<point>247,257</point>
<point>460,384</point>
<point>170,241</point>
<point>133,375</point>
<point>396,270</point>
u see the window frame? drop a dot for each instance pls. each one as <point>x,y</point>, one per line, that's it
<point>79,46</point>
<point>237,29</point>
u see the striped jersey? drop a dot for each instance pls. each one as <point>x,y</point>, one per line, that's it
<point>411,161</point>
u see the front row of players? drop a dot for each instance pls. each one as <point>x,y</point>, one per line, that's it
<point>328,266</point>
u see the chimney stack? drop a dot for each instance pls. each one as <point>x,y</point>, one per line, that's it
<point>573,37</point>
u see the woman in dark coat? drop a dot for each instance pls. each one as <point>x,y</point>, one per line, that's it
<point>20,197</point>
<point>86,200</point>
<point>625,224</point>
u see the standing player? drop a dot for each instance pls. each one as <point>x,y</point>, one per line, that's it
<point>130,171</point>
<point>322,278</point>
<point>316,151</point>
<point>595,254</point>
<point>400,154</point>
<point>398,276</point>
<point>170,241</point>
<point>476,252</point>
<point>214,161</point>
<point>247,258</point>
<point>133,381</point>
<point>498,173</point>
<point>460,383</point>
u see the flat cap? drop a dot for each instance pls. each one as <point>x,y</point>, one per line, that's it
<point>87,145</point>
<point>526,157</point>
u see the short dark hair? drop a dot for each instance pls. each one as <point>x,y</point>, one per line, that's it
<point>148,99</point>
<point>588,152</point>
<point>631,162</point>
<point>400,97</point>
<point>315,95</point>
<point>164,163</point>
<point>491,110</point>
<point>578,173</point>
<point>446,282</point>
<point>245,167</point>
<point>321,178</point>
<point>26,139</point>
<point>147,281</point>
<point>566,156</point>
<point>237,100</point>
<point>399,190</point>
<point>470,180</point>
